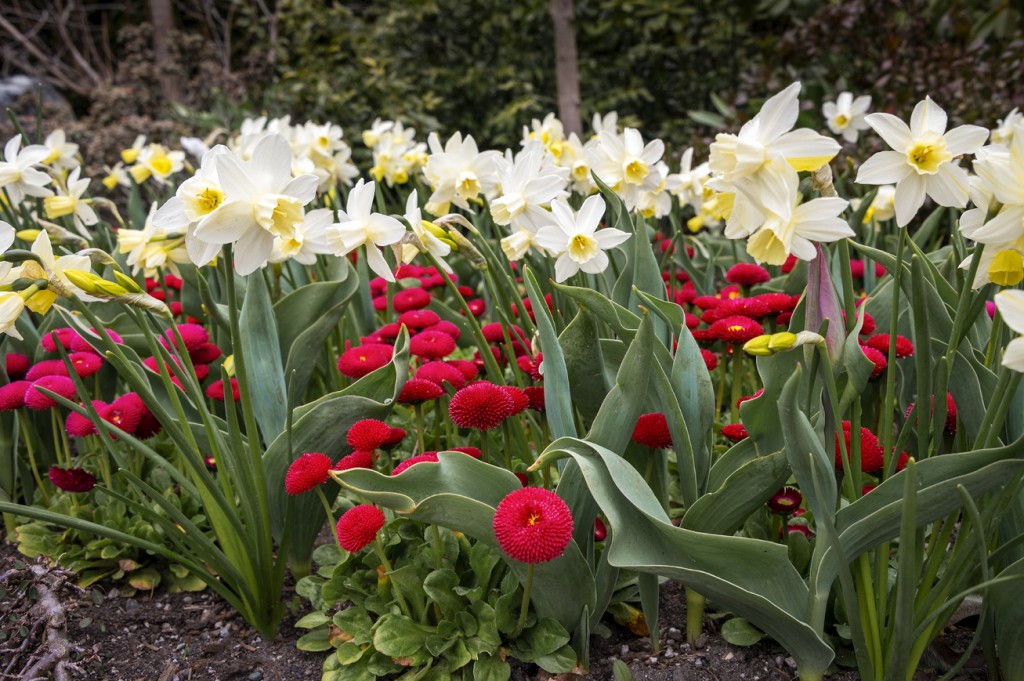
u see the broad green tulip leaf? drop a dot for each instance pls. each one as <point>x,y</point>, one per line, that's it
<point>623,322</point>
<point>968,395</point>
<point>760,415</point>
<point>320,427</point>
<point>696,394</point>
<point>749,577</point>
<point>724,510</point>
<point>461,493</point>
<point>263,365</point>
<point>583,361</point>
<point>1006,603</point>
<point>813,467</point>
<point>736,456</point>
<point>557,394</point>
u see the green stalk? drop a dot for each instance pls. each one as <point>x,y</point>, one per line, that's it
<point>33,466</point>
<point>378,549</point>
<point>694,615</point>
<point>525,607</point>
<point>890,371</point>
<point>330,514</point>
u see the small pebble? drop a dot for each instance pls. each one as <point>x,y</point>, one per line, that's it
<point>624,651</point>
<point>699,662</point>
<point>256,676</point>
<point>728,657</point>
<point>131,604</point>
<point>791,663</point>
<point>225,630</point>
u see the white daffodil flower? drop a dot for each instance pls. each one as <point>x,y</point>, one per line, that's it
<point>63,154</point>
<point>528,183</point>
<point>921,161</point>
<point>458,173</point>
<point>1011,306</point>
<point>6,236</point>
<point>17,174</point>
<point>576,240</point>
<point>1003,132</point>
<point>70,202</point>
<point>262,201</point>
<point>791,226</point>
<point>845,116</point>
<point>11,306</point>
<point>360,226</point>
<point>1001,170</point>
<point>308,240</point>
<point>626,164</point>
<point>421,228</point>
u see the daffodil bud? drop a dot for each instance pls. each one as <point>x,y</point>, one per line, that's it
<point>758,346</point>
<point>229,365</point>
<point>94,284</point>
<point>18,255</point>
<point>27,235</point>
<point>781,341</point>
<point>129,283</point>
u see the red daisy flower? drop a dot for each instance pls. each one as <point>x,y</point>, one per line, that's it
<point>710,359</point>
<point>482,405</point>
<point>80,425</point>
<point>746,274</point>
<point>431,345</point>
<point>216,391</point>
<point>476,307</point>
<point>785,501</point>
<point>380,303</point>
<point>800,528</point>
<point>652,430</point>
<point>363,359</point>
<point>204,354</point>
<point>63,336</point>
<point>535,393</point>
<point>468,451</point>
<point>869,326</point>
<point>871,456</point>
<point>533,525</point>
<point>12,395</point>
<point>736,329</point>
<point>389,332</point>
<point>306,472</point>
<point>707,302</point>
<point>445,326</point>
<point>777,302</point>
<point>760,391</point>
<point>520,400</point>
<point>125,412</point>
<point>877,357</point>
<point>192,335</point>
<point>790,263</point>
<point>173,282</point>
<point>410,299</point>
<point>358,527</point>
<point>357,459</point>
<point>368,434</point>
<point>16,364</point>
<point>82,343</point>
<point>419,319</point>
<point>394,437</point>
<point>495,332</point>
<point>61,385</point>
<point>950,426</point>
<point>734,432</point>
<point>523,478</point>
<point>418,391</point>
<point>85,364</point>
<point>47,367</point>
<point>880,342</point>
<point>72,479</point>
<point>467,368</point>
<point>600,531</point>
<point>425,457</point>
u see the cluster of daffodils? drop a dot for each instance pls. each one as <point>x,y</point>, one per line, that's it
<point>397,156</point>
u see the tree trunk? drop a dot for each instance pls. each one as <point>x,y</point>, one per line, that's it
<point>566,66</point>
<point>161,17</point>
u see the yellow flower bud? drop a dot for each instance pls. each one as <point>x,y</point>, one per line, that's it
<point>28,235</point>
<point>1007,268</point>
<point>781,341</point>
<point>58,206</point>
<point>140,173</point>
<point>229,365</point>
<point>758,346</point>
<point>129,283</point>
<point>94,284</point>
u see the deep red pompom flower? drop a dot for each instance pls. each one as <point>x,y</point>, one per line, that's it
<point>736,329</point>
<point>431,345</point>
<point>12,395</point>
<point>358,527</point>
<point>410,299</point>
<point>61,385</point>
<point>536,395</point>
<point>419,319</point>
<point>368,434</point>
<point>72,479</point>
<point>47,367</point>
<point>785,501</point>
<point>356,459</point>
<point>125,412</point>
<point>876,356</point>
<point>193,336</point>
<point>394,437</point>
<point>204,354</point>
<point>871,456</point>
<point>306,472</point>
<point>533,525</point>
<point>418,391</point>
<point>441,373</point>
<point>85,364</point>
<point>81,344</point>
<point>16,365</point>
<point>652,430</point>
<point>63,336</point>
<point>482,406</point>
<point>467,368</point>
<point>216,391</point>
<point>746,274</point>
<point>363,359</point>
<point>445,326</point>
<point>710,359</point>
<point>520,400</point>
<point>735,432</point>
<point>80,425</point>
<point>425,457</point>
<point>950,426</point>
<point>880,342</point>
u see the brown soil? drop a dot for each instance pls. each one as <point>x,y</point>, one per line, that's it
<point>179,637</point>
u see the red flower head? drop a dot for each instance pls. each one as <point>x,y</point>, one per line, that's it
<point>47,367</point>
<point>869,326</point>
<point>12,395</point>
<point>368,434</point>
<point>878,358</point>
<point>361,360</point>
<point>356,459</point>
<point>467,368</point>
<point>870,450</point>
<point>495,333</point>
<point>306,472</point>
<point>389,332</point>
<point>62,385</point>
<point>482,405</point>
<point>125,412</point>
<point>85,364</point>
<point>149,424</point>
<point>473,452</point>
<point>63,336</point>
<point>431,345</point>
<point>410,299</point>
<point>394,437</point>
<point>204,354</point>
<point>536,395</point>
<point>358,527</point>
<point>79,425</point>
<point>600,531</point>
<point>523,479</point>
<point>16,365</point>
<point>520,400</point>
<point>880,342</point>
<point>425,457</point>
<point>652,430</point>
<point>80,344</point>
<point>419,319</point>
<point>785,501</point>
<point>418,391</point>
<point>800,528</point>
<point>777,302</point>
<point>950,426</point>
<point>746,274</point>
<point>736,329</point>
<point>734,432</point>
<point>441,373</point>
<point>707,302</point>
<point>533,525</point>
<point>72,479</point>
<point>193,336</point>
<point>476,307</point>
<point>445,326</point>
<point>755,308</point>
<point>758,393</point>
<point>710,359</point>
<point>216,391</point>
<point>790,263</point>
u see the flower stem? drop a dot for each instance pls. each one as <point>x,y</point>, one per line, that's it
<point>527,588</point>
<point>330,514</point>
<point>378,549</point>
<point>32,459</point>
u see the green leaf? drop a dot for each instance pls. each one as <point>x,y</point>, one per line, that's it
<point>557,394</point>
<point>398,636</point>
<point>740,632</point>
<point>263,358</point>
<point>724,510</point>
<point>355,622</point>
<point>314,641</point>
<point>583,362</point>
<point>439,586</point>
<point>313,620</point>
<point>491,668</point>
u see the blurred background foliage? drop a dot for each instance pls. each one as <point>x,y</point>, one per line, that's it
<point>677,70</point>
